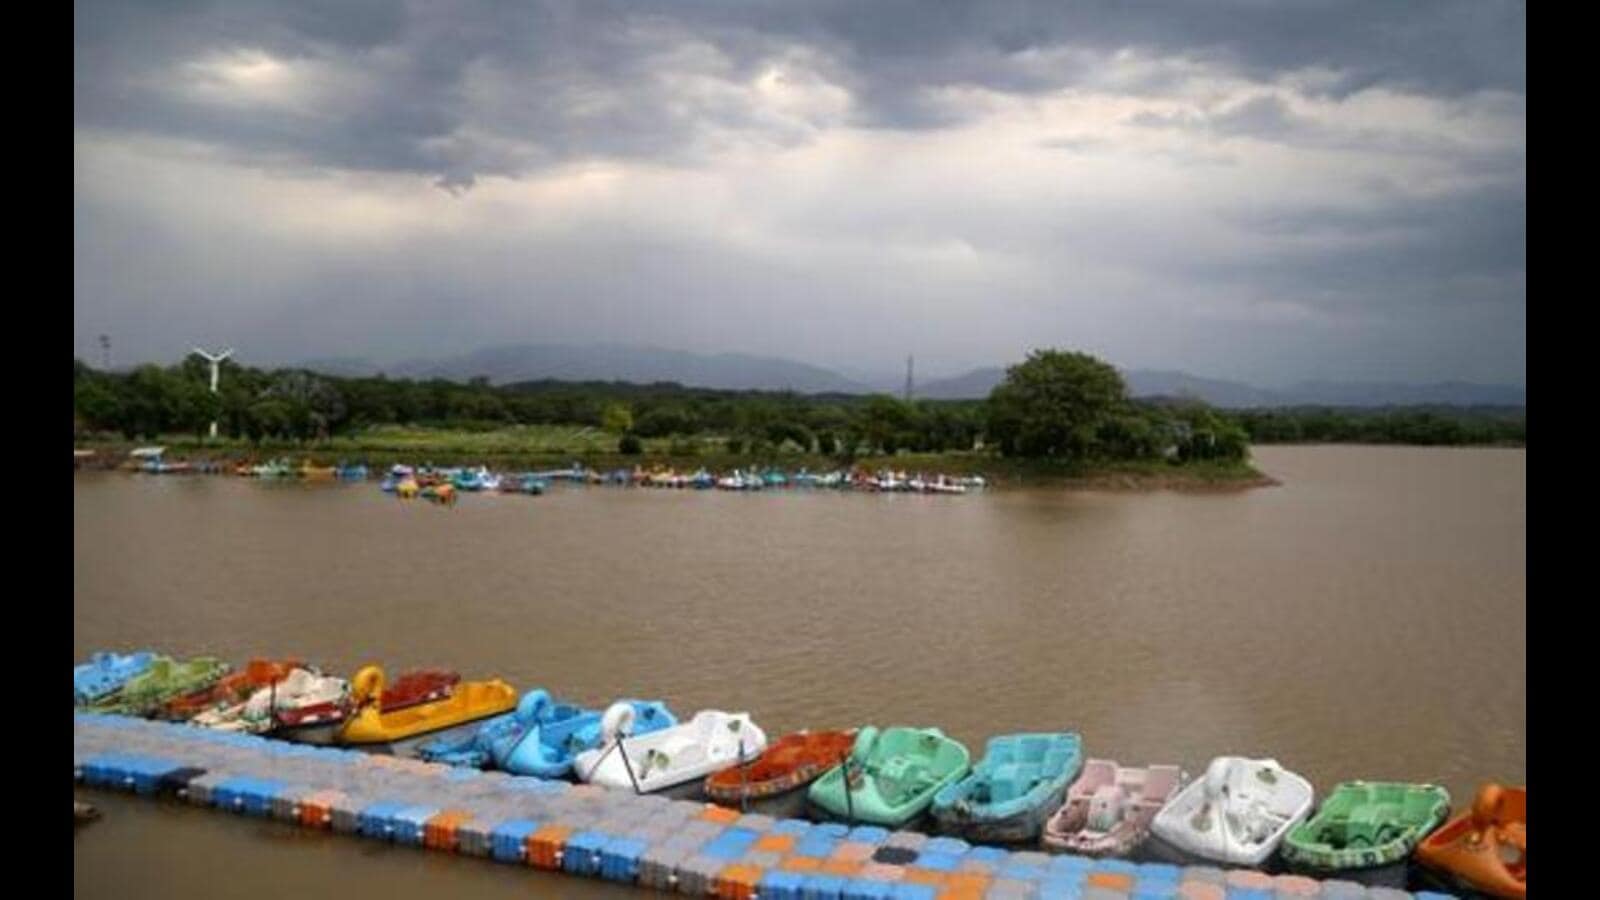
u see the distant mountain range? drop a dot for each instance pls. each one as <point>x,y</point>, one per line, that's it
<point>739,371</point>
<point>613,362</point>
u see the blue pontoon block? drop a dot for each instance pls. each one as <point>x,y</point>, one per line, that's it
<point>619,859</point>
<point>582,853</point>
<point>508,842</point>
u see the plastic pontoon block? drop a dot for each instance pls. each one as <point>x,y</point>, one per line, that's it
<point>582,854</point>
<point>508,841</point>
<point>619,859</point>
<point>440,831</point>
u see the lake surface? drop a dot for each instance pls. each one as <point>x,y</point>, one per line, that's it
<point>1365,619</point>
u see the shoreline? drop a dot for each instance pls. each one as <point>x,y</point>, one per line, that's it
<point>1001,473</point>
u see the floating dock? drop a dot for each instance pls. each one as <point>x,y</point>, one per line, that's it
<point>651,842</point>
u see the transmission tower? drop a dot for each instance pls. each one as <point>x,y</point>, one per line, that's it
<point>909,382</point>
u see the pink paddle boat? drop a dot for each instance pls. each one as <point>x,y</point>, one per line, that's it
<point>1109,808</point>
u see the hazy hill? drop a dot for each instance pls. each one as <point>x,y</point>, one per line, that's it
<point>1235,394</point>
<point>740,371</point>
<point>618,362</point>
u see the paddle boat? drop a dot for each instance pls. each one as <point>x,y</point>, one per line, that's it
<point>1366,831</point>
<point>488,481</point>
<point>440,493</point>
<point>161,681</point>
<point>1109,808</point>
<point>372,723</point>
<point>535,485</point>
<point>550,753</point>
<point>942,485</point>
<point>540,738</point>
<point>396,474</point>
<point>1237,814</point>
<point>105,673</point>
<point>468,480</point>
<point>709,742</point>
<point>317,473</point>
<point>277,468</point>
<point>789,763</point>
<point>159,466</point>
<point>305,705</point>
<point>310,707</point>
<point>891,776</point>
<point>702,480</point>
<point>1484,849</point>
<point>357,472</point>
<point>477,749</point>
<point>231,689</point>
<point>1019,782</point>
<point>407,488</point>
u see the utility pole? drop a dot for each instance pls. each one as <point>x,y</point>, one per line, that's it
<point>105,352</point>
<point>909,361</point>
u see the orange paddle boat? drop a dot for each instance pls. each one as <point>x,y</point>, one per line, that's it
<point>235,687</point>
<point>793,761</point>
<point>1485,848</point>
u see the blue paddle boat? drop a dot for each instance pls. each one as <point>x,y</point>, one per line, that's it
<point>476,749</point>
<point>533,484</point>
<point>105,673</point>
<point>356,472</point>
<point>1007,797</point>
<point>540,737</point>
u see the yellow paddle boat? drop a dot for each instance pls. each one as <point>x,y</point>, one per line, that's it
<point>317,473</point>
<point>468,700</point>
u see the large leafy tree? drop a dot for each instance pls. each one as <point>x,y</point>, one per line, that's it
<point>1054,405</point>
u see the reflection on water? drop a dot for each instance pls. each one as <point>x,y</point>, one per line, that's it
<point>1365,619</point>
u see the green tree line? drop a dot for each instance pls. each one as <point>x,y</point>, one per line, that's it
<point>1056,405</point>
<point>1387,425</point>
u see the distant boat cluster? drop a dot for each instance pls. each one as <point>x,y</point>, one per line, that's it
<point>444,483</point>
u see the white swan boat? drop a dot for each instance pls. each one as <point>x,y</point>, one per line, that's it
<point>709,742</point>
<point>1238,813</point>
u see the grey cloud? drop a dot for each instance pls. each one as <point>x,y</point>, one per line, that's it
<point>459,93</point>
<point>549,58</point>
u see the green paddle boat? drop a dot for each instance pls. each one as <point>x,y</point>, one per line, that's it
<point>162,681</point>
<point>890,776</point>
<point>1365,831</point>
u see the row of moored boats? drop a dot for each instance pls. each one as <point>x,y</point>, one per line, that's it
<point>1037,788</point>
<point>444,483</point>
<point>414,481</point>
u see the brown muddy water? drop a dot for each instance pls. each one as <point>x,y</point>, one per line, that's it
<point>1365,619</point>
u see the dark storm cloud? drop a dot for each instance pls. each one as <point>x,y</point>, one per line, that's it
<point>419,59</point>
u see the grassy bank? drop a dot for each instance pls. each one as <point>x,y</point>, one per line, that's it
<point>548,447</point>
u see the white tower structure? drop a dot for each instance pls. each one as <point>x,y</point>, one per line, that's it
<point>216,367</point>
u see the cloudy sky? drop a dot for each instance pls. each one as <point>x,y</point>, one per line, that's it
<point>1260,190</point>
